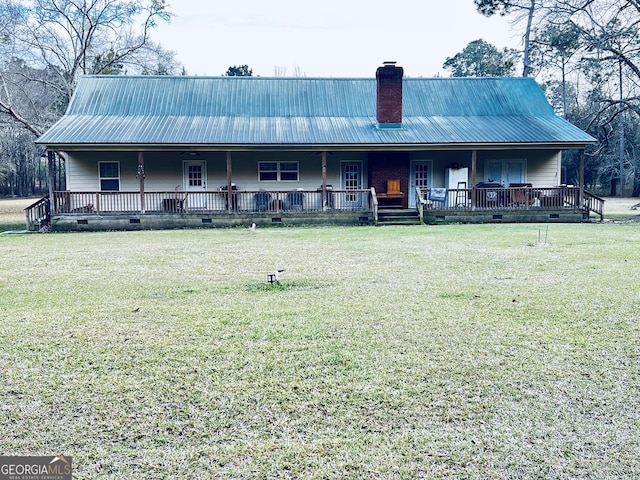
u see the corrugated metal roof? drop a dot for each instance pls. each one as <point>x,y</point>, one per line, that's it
<point>254,111</point>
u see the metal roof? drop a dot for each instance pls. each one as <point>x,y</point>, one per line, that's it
<point>232,112</point>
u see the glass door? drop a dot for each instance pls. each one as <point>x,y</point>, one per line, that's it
<point>352,180</point>
<point>420,172</point>
<point>195,183</point>
<point>505,172</point>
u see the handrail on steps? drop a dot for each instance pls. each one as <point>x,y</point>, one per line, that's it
<point>38,214</point>
<point>594,203</point>
<point>374,204</point>
<point>420,203</point>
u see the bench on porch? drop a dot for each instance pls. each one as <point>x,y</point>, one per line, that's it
<point>393,193</point>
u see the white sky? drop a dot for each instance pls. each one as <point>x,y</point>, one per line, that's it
<point>328,38</point>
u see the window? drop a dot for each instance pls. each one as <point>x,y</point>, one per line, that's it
<point>289,171</point>
<point>109,173</point>
<point>267,171</point>
<point>278,171</point>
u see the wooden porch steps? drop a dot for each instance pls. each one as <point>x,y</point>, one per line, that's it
<point>398,216</point>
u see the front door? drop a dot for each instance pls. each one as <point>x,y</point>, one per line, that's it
<point>420,171</point>
<point>515,172</point>
<point>195,183</point>
<point>352,180</point>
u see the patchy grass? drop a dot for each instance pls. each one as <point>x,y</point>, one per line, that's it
<point>455,351</point>
<point>616,208</point>
<point>12,216</point>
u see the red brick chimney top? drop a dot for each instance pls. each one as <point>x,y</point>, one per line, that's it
<point>389,95</point>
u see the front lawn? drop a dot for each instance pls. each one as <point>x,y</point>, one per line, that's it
<point>12,215</point>
<point>457,351</point>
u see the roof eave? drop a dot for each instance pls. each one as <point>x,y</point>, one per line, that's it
<point>562,145</point>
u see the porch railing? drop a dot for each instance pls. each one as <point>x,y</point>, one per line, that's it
<point>594,203</point>
<point>262,201</point>
<point>516,198</point>
<point>38,214</point>
<point>420,201</point>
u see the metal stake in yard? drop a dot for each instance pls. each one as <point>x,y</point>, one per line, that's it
<point>274,277</point>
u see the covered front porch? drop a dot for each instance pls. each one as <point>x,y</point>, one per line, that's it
<point>517,203</point>
<point>105,210</point>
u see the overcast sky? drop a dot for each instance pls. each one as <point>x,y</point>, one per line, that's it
<point>328,38</point>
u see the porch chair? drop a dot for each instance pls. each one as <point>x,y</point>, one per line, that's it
<point>519,194</point>
<point>393,191</point>
<point>295,200</point>
<point>263,201</point>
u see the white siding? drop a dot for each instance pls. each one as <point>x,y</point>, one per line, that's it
<point>544,169</point>
<point>164,170</point>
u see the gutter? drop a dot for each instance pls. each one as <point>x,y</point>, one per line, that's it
<point>315,147</point>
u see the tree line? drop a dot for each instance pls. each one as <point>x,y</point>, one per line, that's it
<point>584,53</point>
<point>586,56</point>
<point>45,45</point>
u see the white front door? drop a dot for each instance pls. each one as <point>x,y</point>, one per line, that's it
<point>420,173</point>
<point>195,183</point>
<point>352,180</point>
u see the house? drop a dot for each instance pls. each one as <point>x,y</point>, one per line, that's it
<point>159,151</point>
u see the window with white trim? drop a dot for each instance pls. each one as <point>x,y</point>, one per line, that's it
<point>109,174</point>
<point>278,171</point>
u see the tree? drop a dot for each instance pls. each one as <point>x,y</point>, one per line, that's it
<point>596,42</point>
<point>239,71</point>
<point>555,46</point>
<point>481,59</point>
<point>66,38</point>
<point>610,61</point>
<point>524,8</point>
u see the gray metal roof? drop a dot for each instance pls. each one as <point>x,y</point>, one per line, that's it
<point>233,112</point>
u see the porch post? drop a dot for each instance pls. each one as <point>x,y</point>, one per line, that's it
<point>140,176</point>
<point>581,177</point>
<point>474,165</point>
<point>51,175</point>
<point>229,192</point>
<point>324,179</point>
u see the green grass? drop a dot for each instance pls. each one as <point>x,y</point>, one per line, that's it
<point>454,351</point>
<point>12,215</point>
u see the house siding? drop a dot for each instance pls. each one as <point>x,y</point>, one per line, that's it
<point>164,170</point>
<point>542,166</point>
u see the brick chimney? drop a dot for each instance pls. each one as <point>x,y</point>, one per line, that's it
<point>389,95</point>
